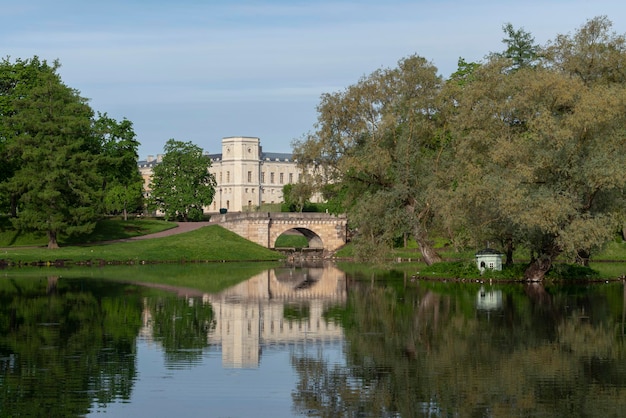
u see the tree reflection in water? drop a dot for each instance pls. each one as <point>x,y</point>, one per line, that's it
<point>426,350</point>
<point>410,348</point>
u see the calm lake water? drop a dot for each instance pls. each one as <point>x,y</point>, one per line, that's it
<point>163,341</point>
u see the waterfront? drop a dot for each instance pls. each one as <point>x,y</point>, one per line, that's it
<point>309,342</point>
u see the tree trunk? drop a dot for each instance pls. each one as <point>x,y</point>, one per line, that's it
<point>51,287</point>
<point>538,295</point>
<point>537,269</point>
<point>13,206</point>
<point>509,247</point>
<point>52,239</point>
<point>582,258</point>
<point>429,254</point>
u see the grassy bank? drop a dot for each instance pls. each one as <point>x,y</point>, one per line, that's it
<point>211,243</point>
<point>607,264</point>
<point>106,229</point>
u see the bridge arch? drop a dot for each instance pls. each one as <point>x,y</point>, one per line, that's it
<point>322,230</point>
<point>313,239</point>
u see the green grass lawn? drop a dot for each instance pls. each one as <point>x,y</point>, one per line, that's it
<point>291,241</point>
<point>210,243</point>
<point>106,229</point>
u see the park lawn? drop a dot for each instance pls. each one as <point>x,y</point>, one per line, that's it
<point>291,241</point>
<point>105,230</point>
<point>210,243</point>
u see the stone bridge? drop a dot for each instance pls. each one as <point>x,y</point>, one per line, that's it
<point>322,230</point>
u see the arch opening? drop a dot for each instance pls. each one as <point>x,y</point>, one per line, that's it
<point>299,238</point>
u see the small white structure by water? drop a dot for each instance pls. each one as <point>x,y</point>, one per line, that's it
<point>489,259</point>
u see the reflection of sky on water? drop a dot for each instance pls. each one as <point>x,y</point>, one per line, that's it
<point>207,389</point>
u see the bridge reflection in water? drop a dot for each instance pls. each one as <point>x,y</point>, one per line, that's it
<point>252,315</point>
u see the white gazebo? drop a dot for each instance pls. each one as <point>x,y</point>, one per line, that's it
<point>489,259</point>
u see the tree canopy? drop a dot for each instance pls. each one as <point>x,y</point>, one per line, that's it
<point>55,180</point>
<point>181,184</point>
<point>55,158</point>
<point>523,148</point>
<point>122,183</point>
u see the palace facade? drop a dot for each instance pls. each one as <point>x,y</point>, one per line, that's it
<point>246,176</point>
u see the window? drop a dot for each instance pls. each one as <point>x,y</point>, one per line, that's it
<point>282,178</point>
<point>291,178</point>
<point>263,177</point>
<point>249,176</point>
<point>228,177</point>
<point>272,178</point>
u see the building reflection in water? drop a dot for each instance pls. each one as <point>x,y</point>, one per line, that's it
<point>252,315</point>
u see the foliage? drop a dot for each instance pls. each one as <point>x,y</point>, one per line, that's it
<point>184,337</point>
<point>521,48</point>
<point>72,347</point>
<point>122,183</point>
<point>296,312</point>
<point>537,155</point>
<point>55,182</point>
<point>60,168</point>
<point>572,272</point>
<point>389,115</point>
<point>181,184</point>
<point>297,196</point>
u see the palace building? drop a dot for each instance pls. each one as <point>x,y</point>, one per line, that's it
<point>246,176</point>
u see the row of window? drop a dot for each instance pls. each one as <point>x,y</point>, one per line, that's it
<point>227,205</point>
<point>251,190</point>
<point>281,177</point>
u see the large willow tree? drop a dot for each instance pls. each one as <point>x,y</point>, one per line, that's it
<point>541,149</point>
<point>376,143</point>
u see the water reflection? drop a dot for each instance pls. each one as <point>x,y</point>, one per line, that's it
<point>278,306</point>
<point>310,341</point>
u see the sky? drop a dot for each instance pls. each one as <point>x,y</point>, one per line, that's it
<point>198,71</point>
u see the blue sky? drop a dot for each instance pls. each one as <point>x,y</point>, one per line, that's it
<point>201,70</point>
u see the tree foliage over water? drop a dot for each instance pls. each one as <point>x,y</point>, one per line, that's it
<point>525,148</point>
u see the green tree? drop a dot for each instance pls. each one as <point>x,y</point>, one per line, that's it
<point>521,48</point>
<point>538,153</point>
<point>594,53</point>
<point>296,196</point>
<point>16,78</point>
<point>122,183</point>
<point>380,139</point>
<point>55,181</point>
<point>181,184</point>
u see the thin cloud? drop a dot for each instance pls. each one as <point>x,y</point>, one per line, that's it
<point>221,68</point>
